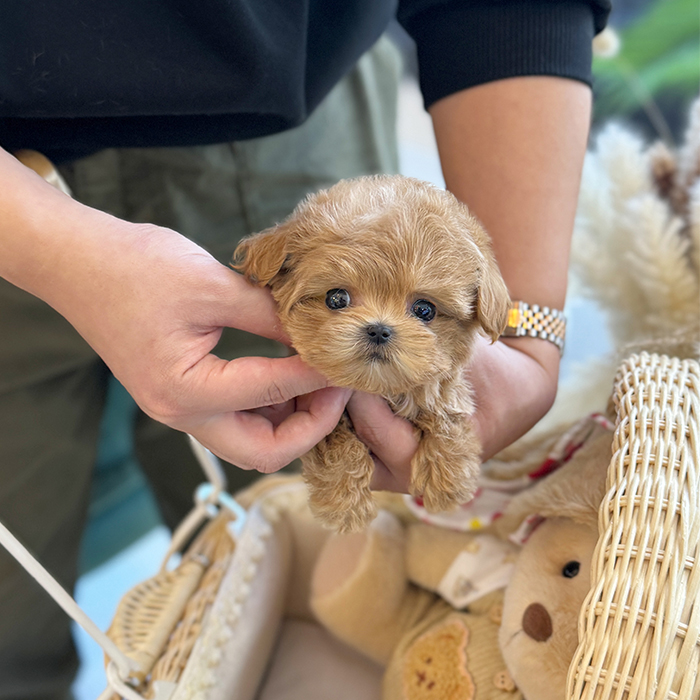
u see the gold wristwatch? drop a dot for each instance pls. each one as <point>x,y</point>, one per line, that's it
<point>536,322</point>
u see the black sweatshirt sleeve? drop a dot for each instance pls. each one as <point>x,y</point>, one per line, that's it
<point>463,43</point>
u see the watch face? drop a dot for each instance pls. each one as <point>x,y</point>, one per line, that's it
<point>514,317</point>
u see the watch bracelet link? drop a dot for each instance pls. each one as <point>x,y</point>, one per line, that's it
<point>536,322</point>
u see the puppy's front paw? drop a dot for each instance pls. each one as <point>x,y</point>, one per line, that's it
<point>338,472</point>
<point>345,515</point>
<point>437,496</point>
<point>442,477</point>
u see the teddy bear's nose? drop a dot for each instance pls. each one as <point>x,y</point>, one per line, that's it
<point>378,333</point>
<point>537,623</point>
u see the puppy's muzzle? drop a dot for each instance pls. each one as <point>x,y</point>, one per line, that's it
<point>378,334</point>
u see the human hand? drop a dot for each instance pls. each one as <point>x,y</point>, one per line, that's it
<point>153,305</point>
<point>167,305</point>
<point>514,384</point>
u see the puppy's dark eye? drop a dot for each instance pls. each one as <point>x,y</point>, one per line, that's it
<point>337,299</point>
<point>424,310</point>
<point>571,569</point>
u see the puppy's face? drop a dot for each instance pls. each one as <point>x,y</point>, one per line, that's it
<point>381,282</point>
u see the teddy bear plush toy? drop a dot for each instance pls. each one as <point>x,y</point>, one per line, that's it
<point>514,635</point>
<point>539,629</point>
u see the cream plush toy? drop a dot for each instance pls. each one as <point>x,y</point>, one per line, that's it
<point>375,591</point>
<point>539,631</point>
<point>378,591</point>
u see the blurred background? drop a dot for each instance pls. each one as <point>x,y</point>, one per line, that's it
<point>654,77</point>
<point>649,84</point>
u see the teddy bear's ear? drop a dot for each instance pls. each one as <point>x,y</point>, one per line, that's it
<point>493,301</point>
<point>574,491</point>
<point>265,255</point>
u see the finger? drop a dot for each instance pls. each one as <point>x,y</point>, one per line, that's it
<point>391,438</point>
<point>304,401</point>
<point>277,413</point>
<point>214,386</point>
<point>384,480</point>
<point>248,307</point>
<point>250,441</point>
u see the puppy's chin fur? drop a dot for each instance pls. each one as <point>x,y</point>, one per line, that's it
<point>389,242</point>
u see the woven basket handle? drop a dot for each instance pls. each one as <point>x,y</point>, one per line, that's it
<point>639,628</point>
<point>123,670</point>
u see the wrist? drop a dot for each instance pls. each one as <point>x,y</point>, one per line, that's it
<point>515,384</point>
<point>544,353</point>
<point>42,231</point>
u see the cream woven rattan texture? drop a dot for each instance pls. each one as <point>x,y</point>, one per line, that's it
<point>158,621</point>
<point>640,625</point>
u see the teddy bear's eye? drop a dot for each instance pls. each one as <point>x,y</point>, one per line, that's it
<point>424,310</point>
<point>337,299</point>
<point>571,569</point>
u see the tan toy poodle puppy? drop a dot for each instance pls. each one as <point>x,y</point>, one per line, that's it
<point>382,285</point>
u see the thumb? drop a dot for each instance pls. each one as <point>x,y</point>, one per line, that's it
<point>214,385</point>
<point>246,307</point>
<point>250,441</point>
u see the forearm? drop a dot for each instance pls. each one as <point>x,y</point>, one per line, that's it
<point>513,151</point>
<point>44,234</point>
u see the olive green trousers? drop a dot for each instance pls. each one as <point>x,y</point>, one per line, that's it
<point>52,385</point>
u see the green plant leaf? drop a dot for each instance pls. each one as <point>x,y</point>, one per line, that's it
<point>623,90</point>
<point>667,25</point>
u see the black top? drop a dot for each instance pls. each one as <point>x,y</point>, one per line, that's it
<point>76,76</point>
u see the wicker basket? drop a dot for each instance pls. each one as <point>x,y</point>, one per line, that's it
<point>158,621</point>
<point>639,626</point>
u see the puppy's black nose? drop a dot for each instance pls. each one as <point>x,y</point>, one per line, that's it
<point>378,334</point>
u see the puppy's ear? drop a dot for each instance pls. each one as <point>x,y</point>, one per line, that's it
<point>492,301</point>
<point>265,255</point>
